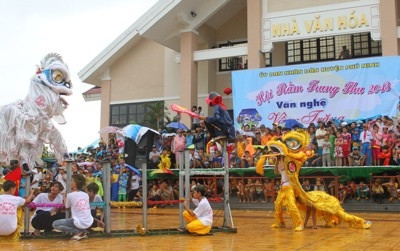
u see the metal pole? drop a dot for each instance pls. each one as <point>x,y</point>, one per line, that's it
<point>144,194</point>
<point>187,176</point>
<point>68,184</point>
<point>107,195</point>
<point>226,184</point>
<point>181,193</point>
<point>26,212</point>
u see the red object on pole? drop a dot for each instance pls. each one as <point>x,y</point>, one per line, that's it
<point>15,175</point>
<point>227,90</point>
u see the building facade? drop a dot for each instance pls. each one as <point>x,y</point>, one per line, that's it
<point>180,50</point>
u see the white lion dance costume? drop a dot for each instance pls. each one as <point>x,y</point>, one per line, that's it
<point>26,124</point>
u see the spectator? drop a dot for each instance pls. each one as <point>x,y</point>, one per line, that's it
<point>178,144</point>
<point>384,156</point>
<point>319,135</point>
<point>346,136</point>
<point>217,161</point>
<point>356,158</point>
<point>133,185</point>
<point>377,192</point>
<point>306,185</point>
<point>44,217</point>
<point>166,192</point>
<point>249,191</point>
<point>319,186</point>
<point>391,187</point>
<point>345,53</point>
<point>199,138</point>
<point>366,138</point>
<point>338,149</point>
<point>154,158</point>
<point>154,194</point>
<point>269,191</point>
<point>62,178</point>
<point>376,144</point>
<point>316,159</point>
<point>123,183</point>
<point>342,192</point>
<point>247,160</point>
<point>326,151</point>
<point>362,191</point>
<point>92,190</point>
<point>241,192</point>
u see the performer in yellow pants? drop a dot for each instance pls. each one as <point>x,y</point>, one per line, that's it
<point>286,198</point>
<point>200,219</point>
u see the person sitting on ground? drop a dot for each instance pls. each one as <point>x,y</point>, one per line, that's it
<point>166,192</point>
<point>92,189</point>
<point>362,191</point>
<point>11,216</point>
<point>342,192</point>
<point>377,192</point>
<point>392,186</point>
<point>199,220</point>
<point>220,125</point>
<point>319,186</point>
<point>44,217</point>
<point>81,218</point>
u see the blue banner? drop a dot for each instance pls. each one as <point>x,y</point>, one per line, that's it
<point>343,90</point>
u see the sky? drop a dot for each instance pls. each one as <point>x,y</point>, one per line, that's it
<point>79,31</point>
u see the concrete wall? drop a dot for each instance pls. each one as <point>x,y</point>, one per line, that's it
<point>139,71</point>
<point>284,5</point>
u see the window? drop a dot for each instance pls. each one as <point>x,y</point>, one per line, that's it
<point>310,50</point>
<point>140,113</point>
<point>364,46</point>
<point>330,48</point>
<point>238,63</point>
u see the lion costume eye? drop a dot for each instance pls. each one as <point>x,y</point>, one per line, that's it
<point>57,76</point>
<point>293,144</point>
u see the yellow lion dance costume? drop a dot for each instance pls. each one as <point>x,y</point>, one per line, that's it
<point>293,149</point>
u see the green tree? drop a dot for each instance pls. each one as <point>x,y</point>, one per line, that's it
<point>155,114</point>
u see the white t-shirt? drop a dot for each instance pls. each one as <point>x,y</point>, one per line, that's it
<point>284,178</point>
<point>80,209</point>
<point>203,211</point>
<point>320,132</point>
<point>97,198</point>
<point>43,198</point>
<point>134,182</point>
<point>38,176</point>
<point>8,213</point>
